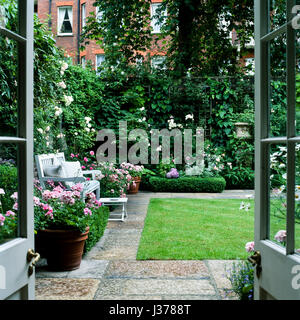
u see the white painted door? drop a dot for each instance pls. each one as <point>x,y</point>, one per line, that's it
<point>16,282</point>
<point>277,212</point>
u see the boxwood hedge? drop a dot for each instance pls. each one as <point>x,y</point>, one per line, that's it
<point>187,184</point>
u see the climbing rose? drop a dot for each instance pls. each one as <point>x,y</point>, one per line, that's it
<point>249,246</point>
<point>281,236</point>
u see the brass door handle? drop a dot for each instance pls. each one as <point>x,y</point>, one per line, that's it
<point>32,257</point>
<point>255,260</point>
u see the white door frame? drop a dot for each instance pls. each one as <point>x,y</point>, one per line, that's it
<point>13,254</point>
<point>277,263</point>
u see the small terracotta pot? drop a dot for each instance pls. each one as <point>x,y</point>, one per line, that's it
<point>134,188</point>
<point>63,249</point>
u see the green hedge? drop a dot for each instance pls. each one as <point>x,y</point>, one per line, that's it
<point>97,228</point>
<point>8,182</point>
<point>187,184</point>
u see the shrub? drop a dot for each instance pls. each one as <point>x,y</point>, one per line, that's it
<point>8,182</point>
<point>187,184</point>
<point>97,227</point>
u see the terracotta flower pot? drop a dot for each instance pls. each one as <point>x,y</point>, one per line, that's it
<point>63,249</point>
<point>134,187</point>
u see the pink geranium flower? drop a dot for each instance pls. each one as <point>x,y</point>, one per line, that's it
<point>87,211</point>
<point>249,246</point>
<point>2,219</point>
<point>281,236</point>
<point>10,213</point>
<point>85,159</point>
<point>92,153</point>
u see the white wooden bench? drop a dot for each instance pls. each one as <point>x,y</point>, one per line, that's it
<point>116,202</point>
<point>44,161</point>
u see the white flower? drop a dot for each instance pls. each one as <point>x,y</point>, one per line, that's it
<point>89,125</point>
<point>62,85</point>
<point>2,191</point>
<point>242,206</point>
<point>93,130</point>
<point>68,100</point>
<point>142,109</point>
<point>58,111</point>
<point>189,116</point>
<point>40,130</point>
<point>76,133</point>
<point>60,136</point>
<point>158,148</point>
<point>64,66</point>
<point>284,176</point>
<point>87,119</point>
<point>47,129</point>
<point>87,129</point>
<point>47,143</point>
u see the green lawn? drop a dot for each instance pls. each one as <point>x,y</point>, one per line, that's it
<point>188,229</point>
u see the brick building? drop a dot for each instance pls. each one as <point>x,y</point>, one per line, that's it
<point>67,21</point>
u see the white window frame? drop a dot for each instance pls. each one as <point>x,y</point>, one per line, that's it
<point>59,23</point>
<point>159,63</point>
<point>83,62</point>
<point>156,27</point>
<point>96,62</point>
<point>83,15</point>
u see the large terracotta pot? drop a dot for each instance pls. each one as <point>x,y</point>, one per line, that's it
<point>134,187</point>
<point>63,249</point>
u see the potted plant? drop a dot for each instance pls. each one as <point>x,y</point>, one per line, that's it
<point>62,222</point>
<point>135,172</point>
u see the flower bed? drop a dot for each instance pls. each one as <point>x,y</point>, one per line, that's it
<point>186,184</point>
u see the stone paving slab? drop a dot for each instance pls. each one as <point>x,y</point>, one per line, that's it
<point>126,225</point>
<point>89,269</point>
<point>156,269</point>
<point>217,268</point>
<point>154,287</point>
<point>116,253</point>
<point>66,289</point>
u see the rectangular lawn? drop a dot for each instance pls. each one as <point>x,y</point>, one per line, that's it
<point>192,229</point>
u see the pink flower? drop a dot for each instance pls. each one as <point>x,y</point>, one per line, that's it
<point>91,168</point>
<point>281,236</point>
<point>92,153</point>
<point>112,191</point>
<point>98,203</point>
<point>15,206</point>
<point>10,213</point>
<point>77,187</point>
<point>36,201</point>
<point>83,167</point>
<point>87,211</point>
<point>72,155</point>
<point>85,159</point>
<point>249,246</point>
<point>14,196</point>
<point>2,219</point>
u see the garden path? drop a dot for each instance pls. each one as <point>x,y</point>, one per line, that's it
<point>110,270</point>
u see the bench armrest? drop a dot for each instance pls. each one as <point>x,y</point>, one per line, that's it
<point>70,179</point>
<point>94,173</point>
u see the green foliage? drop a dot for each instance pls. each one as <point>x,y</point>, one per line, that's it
<point>97,227</point>
<point>187,184</point>
<point>8,182</point>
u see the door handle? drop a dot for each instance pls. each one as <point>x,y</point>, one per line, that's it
<point>32,257</point>
<point>255,260</point>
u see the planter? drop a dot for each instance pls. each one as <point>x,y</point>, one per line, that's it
<point>134,187</point>
<point>63,249</point>
<point>242,130</point>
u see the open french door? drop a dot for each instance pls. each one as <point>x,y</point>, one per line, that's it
<point>277,184</point>
<point>16,272</point>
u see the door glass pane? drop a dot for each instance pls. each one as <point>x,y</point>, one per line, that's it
<point>297,200</point>
<point>277,216</point>
<point>8,189</point>
<point>9,15</point>
<point>277,14</point>
<point>278,96</point>
<point>8,87</point>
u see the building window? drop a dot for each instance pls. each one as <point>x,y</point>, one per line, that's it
<point>83,62</point>
<point>100,58</point>
<point>83,15</point>
<point>249,64</point>
<point>99,14</point>
<point>65,20</point>
<point>155,24</point>
<point>158,62</point>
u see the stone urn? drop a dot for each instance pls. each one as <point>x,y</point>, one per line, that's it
<point>242,130</point>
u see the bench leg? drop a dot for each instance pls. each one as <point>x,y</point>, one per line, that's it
<point>98,194</point>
